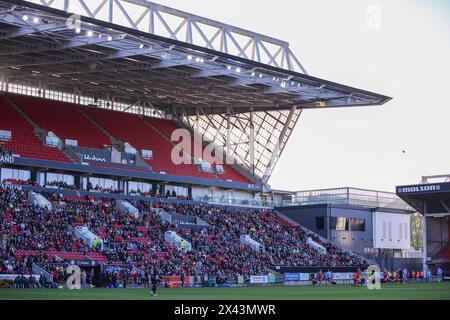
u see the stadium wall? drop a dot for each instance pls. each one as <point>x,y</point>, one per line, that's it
<point>347,236</point>
<point>353,240</point>
<point>396,263</point>
<point>391,231</point>
<point>438,234</point>
<point>213,192</point>
<point>306,216</point>
<point>285,270</point>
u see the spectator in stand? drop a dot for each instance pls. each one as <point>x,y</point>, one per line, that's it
<point>61,185</point>
<point>440,274</point>
<point>140,241</point>
<point>28,182</point>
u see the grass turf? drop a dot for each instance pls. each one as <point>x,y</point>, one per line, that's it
<point>418,291</point>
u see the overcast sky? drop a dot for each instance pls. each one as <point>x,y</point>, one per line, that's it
<point>406,58</point>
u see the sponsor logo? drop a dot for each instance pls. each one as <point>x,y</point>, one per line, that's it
<point>258,279</point>
<point>7,159</point>
<point>88,157</point>
<point>10,187</point>
<point>428,188</point>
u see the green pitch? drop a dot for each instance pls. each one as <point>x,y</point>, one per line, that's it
<point>434,291</point>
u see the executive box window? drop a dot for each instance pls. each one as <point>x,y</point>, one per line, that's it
<point>347,224</point>
<point>142,187</point>
<point>180,191</point>
<point>320,223</point>
<point>100,184</point>
<point>339,223</point>
<point>358,224</point>
<point>57,177</point>
<point>15,174</point>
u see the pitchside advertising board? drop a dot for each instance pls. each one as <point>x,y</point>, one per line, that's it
<point>306,276</point>
<point>11,277</point>
<point>259,279</point>
<point>10,186</point>
<point>425,188</point>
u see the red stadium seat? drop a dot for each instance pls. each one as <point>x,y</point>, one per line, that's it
<point>133,129</point>
<point>63,119</point>
<point>24,141</point>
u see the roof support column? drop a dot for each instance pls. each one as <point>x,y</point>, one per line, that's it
<point>228,142</point>
<point>2,82</point>
<point>197,116</point>
<point>276,152</point>
<point>189,30</point>
<point>425,237</point>
<point>252,144</point>
<point>151,23</point>
<point>6,84</point>
<point>111,6</point>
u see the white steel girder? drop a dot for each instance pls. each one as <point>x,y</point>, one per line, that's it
<point>179,25</point>
<point>258,153</point>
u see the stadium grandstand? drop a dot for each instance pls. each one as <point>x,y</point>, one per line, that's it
<point>92,93</point>
<point>431,198</point>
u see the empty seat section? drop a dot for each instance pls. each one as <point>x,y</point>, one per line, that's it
<point>63,119</point>
<point>133,129</point>
<point>24,141</point>
<point>167,127</point>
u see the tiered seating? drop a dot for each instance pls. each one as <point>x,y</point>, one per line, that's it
<point>46,235</point>
<point>167,127</point>
<point>67,122</point>
<point>52,254</point>
<point>112,166</point>
<point>63,119</point>
<point>133,129</point>
<point>68,255</point>
<point>97,256</point>
<point>232,174</point>
<point>444,254</point>
<point>283,222</point>
<point>24,141</point>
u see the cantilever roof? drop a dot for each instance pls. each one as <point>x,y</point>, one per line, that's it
<point>221,77</point>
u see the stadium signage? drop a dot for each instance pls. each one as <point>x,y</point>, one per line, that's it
<point>7,159</point>
<point>292,277</point>
<point>10,187</point>
<point>232,280</point>
<point>11,277</point>
<point>296,277</point>
<point>259,279</point>
<point>88,157</point>
<point>343,276</point>
<point>414,189</point>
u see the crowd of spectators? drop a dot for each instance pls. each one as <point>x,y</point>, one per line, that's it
<point>283,245</point>
<point>61,185</point>
<point>140,240</point>
<point>156,194</point>
<point>19,182</point>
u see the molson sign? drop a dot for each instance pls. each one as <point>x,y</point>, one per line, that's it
<point>423,188</point>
